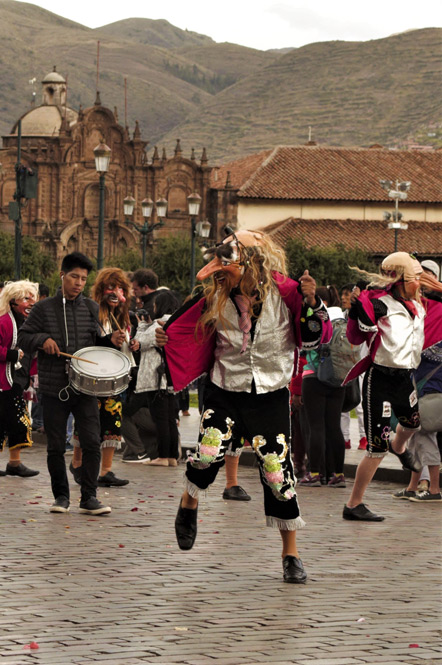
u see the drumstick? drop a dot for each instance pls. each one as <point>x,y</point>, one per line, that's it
<point>116,322</point>
<point>68,355</point>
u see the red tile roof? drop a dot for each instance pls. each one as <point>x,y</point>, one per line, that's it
<point>425,238</point>
<point>330,173</point>
<point>239,171</point>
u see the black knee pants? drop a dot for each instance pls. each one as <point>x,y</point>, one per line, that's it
<point>262,419</point>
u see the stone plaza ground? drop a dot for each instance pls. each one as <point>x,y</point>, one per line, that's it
<point>116,590</point>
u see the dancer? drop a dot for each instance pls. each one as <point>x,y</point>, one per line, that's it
<point>245,330</point>
<point>111,291</point>
<point>16,302</point>
<point>64,324</point>
<point>397,324</point>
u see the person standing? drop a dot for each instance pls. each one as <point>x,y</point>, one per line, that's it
<point>66,323</point>
<point>111,292</point>
<point>16,302</point>
<point>144,286</point>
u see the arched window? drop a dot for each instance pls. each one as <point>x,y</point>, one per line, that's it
<point>72,245</point>
<point>92,202</point>
<point>177,198</point>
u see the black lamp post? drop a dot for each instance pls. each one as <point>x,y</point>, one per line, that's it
<point>102,154</point>
<point>146,209</point>
<point>194,202</point>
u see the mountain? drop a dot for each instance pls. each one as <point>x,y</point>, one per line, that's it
<point>349,93</point>
<point>228,98</point>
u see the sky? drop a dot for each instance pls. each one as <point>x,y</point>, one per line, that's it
<point>263,24</point>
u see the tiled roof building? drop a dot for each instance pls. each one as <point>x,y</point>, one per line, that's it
<point>332,173</point>
<point>331,195</point>
<point>421,237</point>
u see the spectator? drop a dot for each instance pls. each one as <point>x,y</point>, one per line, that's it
<point>323,406</point>
<point>152,381</point>
<point>144,285</point>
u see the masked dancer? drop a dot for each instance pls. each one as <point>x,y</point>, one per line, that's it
<point>244,332</point>
<point>397,323</point>
<point>16,302</point>
<point>111,291</point>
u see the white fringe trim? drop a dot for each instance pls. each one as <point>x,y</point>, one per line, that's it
<point>234,453</point>
<point>369,454</point>
<point>285,525</point>
<point>111,443</point>
<point>194,491</point>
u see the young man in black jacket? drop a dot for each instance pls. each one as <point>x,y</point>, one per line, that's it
<point>66,323</point>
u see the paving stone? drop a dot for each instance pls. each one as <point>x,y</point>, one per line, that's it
<point>85,600</point>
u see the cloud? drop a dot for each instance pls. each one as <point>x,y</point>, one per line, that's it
<point>325,25</point>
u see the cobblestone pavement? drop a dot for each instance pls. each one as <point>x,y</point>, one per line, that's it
<point>116,590</point>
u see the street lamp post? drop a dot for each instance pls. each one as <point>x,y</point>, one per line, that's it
<point>398,192</point>
<point>146,209</point>
<point>102,154</point>
<point>194,202</point>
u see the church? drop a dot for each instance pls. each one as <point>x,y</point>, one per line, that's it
<point>59,142</point>
<point>320,195</point>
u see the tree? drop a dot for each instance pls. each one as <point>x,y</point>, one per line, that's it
<point>170,259</point>
<point>35,264</point>
<point>129,260</point>
<point>328,265</point>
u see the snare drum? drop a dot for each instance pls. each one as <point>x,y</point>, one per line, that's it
<point>110,376</point>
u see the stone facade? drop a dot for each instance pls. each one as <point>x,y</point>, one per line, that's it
<point>59,141</point>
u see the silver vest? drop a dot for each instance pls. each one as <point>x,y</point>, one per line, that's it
<point>402,337</point>
<point>268,359</point>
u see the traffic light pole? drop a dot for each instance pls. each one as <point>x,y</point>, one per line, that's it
<point>18,197</point>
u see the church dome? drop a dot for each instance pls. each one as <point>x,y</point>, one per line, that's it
<point>45,121</point>
<point>54,77</point>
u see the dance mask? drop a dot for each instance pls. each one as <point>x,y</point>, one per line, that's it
<point>230,257</point>
<point>406,268</point>
<point>114,295</point>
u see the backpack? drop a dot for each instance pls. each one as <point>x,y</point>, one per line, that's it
<point>337,357</point>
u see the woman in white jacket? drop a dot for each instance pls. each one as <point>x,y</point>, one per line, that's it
<point>152,381</point>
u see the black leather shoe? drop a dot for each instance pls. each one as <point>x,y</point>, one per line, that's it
<point>236,493</point>
<point>110,480</point>
<point>407,460</point>
<point>2,473</point>
<point>76,472</point>
<point>361,512</point>
<point>20,470</point>
<point>185,527</point>
<point>294,572</point>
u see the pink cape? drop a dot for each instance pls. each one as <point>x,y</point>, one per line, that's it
<point>188,356</point>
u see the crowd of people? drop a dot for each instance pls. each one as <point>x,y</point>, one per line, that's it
<point>280,363</point>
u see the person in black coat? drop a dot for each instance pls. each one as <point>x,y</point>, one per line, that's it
<point>66,323</point>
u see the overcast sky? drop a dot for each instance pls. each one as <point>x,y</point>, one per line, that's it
<point>264,24</point>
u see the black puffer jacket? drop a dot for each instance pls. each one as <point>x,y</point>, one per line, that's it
<point>45,321</point>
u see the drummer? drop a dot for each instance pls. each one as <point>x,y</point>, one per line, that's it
<point>111,290</point>
<point>64,324</point>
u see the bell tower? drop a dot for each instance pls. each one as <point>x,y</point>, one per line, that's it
<point>54,89</point>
